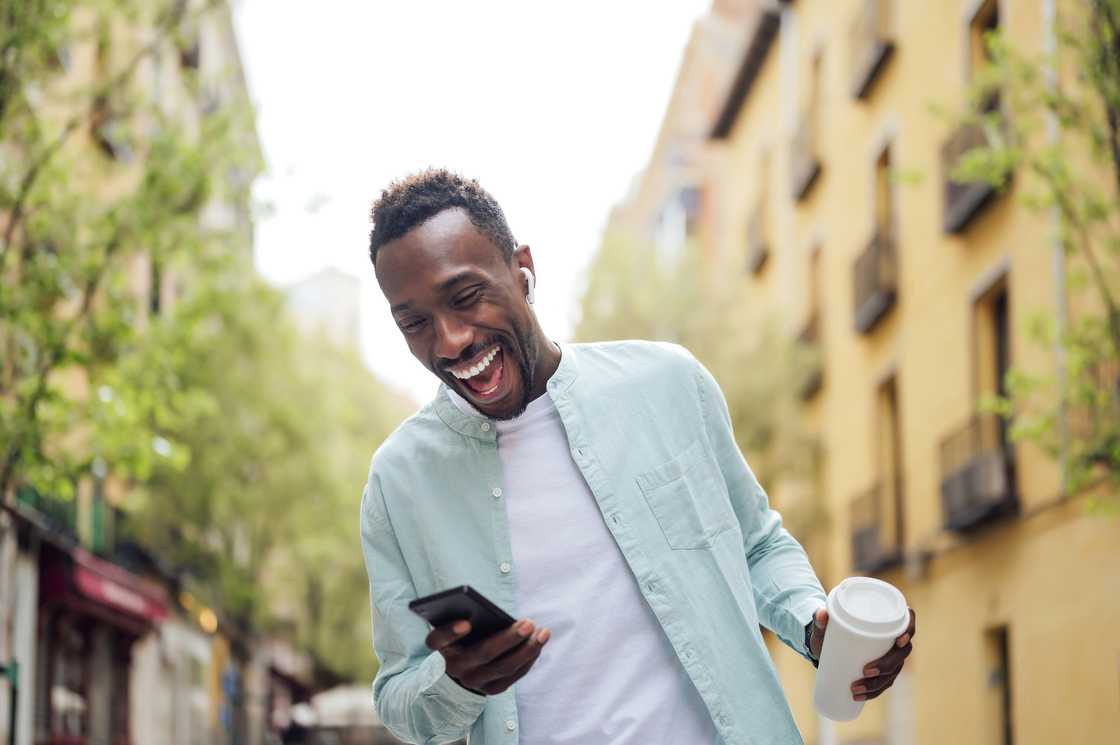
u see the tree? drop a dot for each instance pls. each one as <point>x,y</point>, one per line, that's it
<point>1058,129</point>
<point>236,447</point>
<point>97,182</point>
<point>264,519</point>
<point>630,294</point>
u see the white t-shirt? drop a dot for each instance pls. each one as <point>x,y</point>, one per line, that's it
<point>608,674</point>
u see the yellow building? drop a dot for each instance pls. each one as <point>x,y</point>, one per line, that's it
<point>98,650</point>
<point>918,292</point>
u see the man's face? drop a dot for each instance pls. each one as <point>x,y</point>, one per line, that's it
<point>461,307</point>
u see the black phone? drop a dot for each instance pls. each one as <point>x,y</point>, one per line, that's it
<point>463,603</point>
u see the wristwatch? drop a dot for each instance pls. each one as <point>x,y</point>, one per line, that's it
<point>808,647</point>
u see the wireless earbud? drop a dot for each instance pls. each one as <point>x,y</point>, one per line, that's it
<point>530,295</point>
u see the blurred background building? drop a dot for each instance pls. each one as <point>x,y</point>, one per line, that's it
<point>100,641</point>
<point>914,296</point>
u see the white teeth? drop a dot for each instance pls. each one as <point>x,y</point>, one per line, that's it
<point>476,369</point>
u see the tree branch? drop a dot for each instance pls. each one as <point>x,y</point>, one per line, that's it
<point>52,358</point>
<point>163,28</point>
<point>1107,29</point>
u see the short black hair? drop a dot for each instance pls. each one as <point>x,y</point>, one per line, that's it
<point>413,200</point>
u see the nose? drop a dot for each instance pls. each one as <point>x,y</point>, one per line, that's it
<point>452,337</point>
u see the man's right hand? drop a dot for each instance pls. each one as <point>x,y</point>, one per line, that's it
<point>493,664</point>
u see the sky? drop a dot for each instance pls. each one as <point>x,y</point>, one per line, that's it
<point>553,111</point>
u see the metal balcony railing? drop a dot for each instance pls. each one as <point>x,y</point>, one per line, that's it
<point>871,39</point>
<point>758,247</point>
<point>875,280</point>
<point>813,378</point>
<point>977,474</point>
<point>805,163</point>
<point>876,543</point>
<point>964,199</point>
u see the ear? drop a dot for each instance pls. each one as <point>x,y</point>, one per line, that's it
<point>522,259</point>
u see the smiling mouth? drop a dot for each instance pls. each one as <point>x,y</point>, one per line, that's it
<point>485,376</point>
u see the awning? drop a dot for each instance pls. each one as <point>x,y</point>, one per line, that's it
<point>88,583</point>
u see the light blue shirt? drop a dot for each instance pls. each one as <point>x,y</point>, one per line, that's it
<point>650,432</point>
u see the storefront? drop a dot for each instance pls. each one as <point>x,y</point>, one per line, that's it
<point>91,613</point>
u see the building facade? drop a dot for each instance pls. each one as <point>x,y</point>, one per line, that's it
<point>98,646</point>
<point>825,193</point>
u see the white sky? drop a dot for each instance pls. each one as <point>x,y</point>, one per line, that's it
<point>553,107</point>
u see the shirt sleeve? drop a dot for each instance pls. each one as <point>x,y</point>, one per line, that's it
<point>414,697</point>
<point>786,590</point>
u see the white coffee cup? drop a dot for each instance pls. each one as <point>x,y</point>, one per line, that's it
<point>865,617</point>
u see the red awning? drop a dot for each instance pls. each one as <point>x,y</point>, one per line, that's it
<point>110,585</point>
<point>104,588</point>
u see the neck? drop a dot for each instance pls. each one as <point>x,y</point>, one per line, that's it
<point>548,359</point>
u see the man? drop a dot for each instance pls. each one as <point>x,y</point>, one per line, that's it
<point>595,489</point>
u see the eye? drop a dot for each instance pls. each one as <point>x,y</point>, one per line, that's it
<point>467,298</point>
<point>411,325</point>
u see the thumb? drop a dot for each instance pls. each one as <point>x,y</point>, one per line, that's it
<point>820,619</point>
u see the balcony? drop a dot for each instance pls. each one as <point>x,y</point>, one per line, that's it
<point>977,475</point>
<point>876,544</point>
<point>875,280</point>
<point>964,200</point>
<point>872,44</point>
<point>805,163</point>
<point>813,377</point>
<point>58,515</point>
<point>758,248</point>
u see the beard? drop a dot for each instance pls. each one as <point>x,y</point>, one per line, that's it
<point>521,345</point>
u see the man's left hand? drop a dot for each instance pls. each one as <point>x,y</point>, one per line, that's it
<point>880,673</point>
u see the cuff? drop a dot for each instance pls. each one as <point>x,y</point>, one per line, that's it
<point>468,703</point>
<point>800,616</point>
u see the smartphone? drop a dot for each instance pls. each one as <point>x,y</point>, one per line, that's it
<point>463,603</point>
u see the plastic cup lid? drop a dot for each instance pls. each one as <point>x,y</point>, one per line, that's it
<point>869,605</point>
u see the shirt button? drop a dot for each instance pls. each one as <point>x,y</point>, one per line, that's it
<point>504,567</point>
<point>511,725</point>
<point>497,491</point>
<point>486,426</point>
<point>616,519</point>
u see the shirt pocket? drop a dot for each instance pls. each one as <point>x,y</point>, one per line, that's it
<point>688,497</point>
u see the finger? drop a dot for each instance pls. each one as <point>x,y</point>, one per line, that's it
<point>496,645</point>
<point>910,630</point>
<point>441,637</point>
<point>512,666</point>
<point>866,693</point>
<point>497,686</point>
<point>816,634</point>
<point>890,662</point>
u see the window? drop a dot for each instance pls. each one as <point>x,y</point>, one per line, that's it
<point>884,196</point>
<point>993,346</point>
<point>890,465</point>
<point>875,278</point>
<point>997,699</point>
<point>978,472</point>
<point>805,160</point>
<point>983,22</point>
